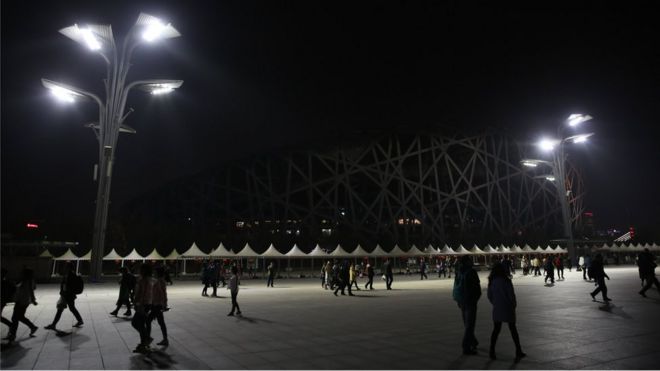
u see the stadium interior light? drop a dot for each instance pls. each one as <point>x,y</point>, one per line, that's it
<point>578,118</point>
<point>548,144</point>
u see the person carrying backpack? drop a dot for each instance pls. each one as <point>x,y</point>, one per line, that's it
<point>466,293</point>
<point>70,286</point>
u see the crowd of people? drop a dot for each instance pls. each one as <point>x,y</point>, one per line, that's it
<point>147,295</point>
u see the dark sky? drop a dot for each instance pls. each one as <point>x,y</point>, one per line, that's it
<point>265,75</point>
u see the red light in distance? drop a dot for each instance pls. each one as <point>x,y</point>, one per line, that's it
<point>32,225</point>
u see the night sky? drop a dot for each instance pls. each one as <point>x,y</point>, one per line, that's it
<point>262,76</point>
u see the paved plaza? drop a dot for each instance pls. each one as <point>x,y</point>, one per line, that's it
<point>298,325</point>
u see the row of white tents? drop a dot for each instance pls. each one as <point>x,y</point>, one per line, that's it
<point>194,252</point>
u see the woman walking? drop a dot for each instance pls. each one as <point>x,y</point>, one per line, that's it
<point>24,297</point>
<point>503,298</point>
<point>159,304</point>
<point>233,288</point>
<point>126,287</point>
<point>352,278</point>
<point>143,297</point>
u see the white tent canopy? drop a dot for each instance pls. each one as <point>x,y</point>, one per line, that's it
<point>247,252</point>
<point>133,256</point>
<point>476,250</point>
<point>339,252</point>
<point>359,252</point>
<point>68,255</point>
<point>378,251</point>
<point>194,252</point>
<point>528,249</point>
<point>272,252</point>
<point>173,255</point>
<point>221,252</point>
<point>490,250</point>
<point>416,251</point>
<point>462,250</point>
<point>516,250</point>
<point>397,251</point>
<point>446,250</point>
<point>317,252</point>
<point>112,255</point>
<point>46,254</point>
<point>295,252</point>
<point>87,256</point>
<point>154,255</point>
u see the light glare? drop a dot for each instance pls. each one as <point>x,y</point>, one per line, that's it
<point>162,90</point>
<point>62,94</point>
<point>550,178</point>
<point>90,39</point>
<point>154,31</point>
<point>548,144</point>
<point>578,118</point>
<point>530,164</point>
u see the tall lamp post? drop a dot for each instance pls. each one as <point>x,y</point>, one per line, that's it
<point>99,39</point>
<point>558,171</point>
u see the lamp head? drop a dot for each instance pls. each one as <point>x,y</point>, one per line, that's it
<point>548,144</point>
<point>153,29</point>
<point>577,118</point>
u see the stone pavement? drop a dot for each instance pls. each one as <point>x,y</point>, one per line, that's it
<point>298,325</point>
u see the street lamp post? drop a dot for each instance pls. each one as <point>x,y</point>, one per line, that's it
<point>558,172</point>
<point>99,38</point>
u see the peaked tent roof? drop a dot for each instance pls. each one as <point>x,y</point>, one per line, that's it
<point>476,250</point>
<point>133,256</point>
<point>271,252</point>
<point>194,252</point>
<point>154,255</point>
<point>548,249</point>
<point>528,249</point>
<point>359,252</point>
<point>46,254</point>
<point>247,252</point>
<point>339,251</point>
<point>68,255</point>
<point>173,255</point>
<point>415,251</point>
<point>462,250</point>
<point>112,255</point>
<point>446,250</point>
<point>295,252</point>
<point>516,250</point>
<point>221,252</point>
<point>489,250</point>
<point>317,251</point>
<point>397,251</point>
<point>378,251</point>
<point>87,256</point>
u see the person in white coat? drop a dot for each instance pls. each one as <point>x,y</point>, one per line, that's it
<point>503,298</point>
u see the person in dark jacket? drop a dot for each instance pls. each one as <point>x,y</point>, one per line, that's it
<point>389,276</point>
<point>422,269</point>
<point>599,275</point>
<point>549,270</point>
<point>503,298</point>
<point>646,263</point>
<point>8,291</point>
<point>271,275</point>
<point>370,277</point>
<point>67,298</point>
<point>126,286</point>
<point>343,277</point>
<point>559,264</point>
<point>467,292</point>
<point>24,297</point>
<point>206,277</point>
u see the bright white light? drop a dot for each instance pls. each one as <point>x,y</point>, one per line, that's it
<point>154,30</point>
<point>550,178</point>
<point>62,94</point>
<point>90,39</point>
<point>548,144</point>
<point>530,164</point>
<point>580,139</point>
<point>578,118</point>
<point>162,90</point>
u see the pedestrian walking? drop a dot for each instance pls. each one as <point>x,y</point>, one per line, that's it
<point>328,274</point>
<point>503,298</point>
<point>271,275</point>
<point>422,269</point>
<point>126,287</point>
<point>389,276</point>
<point>158,305</point>
<point>70,286</point>
<point>585,268</point>
<point>599,275</point>
<point>353,278</point>
<point>215,273</point>
<point>559,264</point>
<point>342,279</point>
<point>536,264</point>
<point>143,300</point>
<point>466,293</point>
<point>8,294</point>
<point>206,277</point>
<point>370,277</point>
<point>549,270</point>
<point>442,268</point>
<point>524,264</point>
<point>233,289</point>
<point>24,297</point>
<point>647,265</point>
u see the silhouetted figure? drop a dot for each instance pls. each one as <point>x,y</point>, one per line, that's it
<point>233,289</point>
<point>159,305</point>
<point>343,277</point>
<point>215,273</point>
<point>503,298</point>
<point>24,297</point>
<point>585,268</point>
<point>549,270</point>
<point>126,287</point>
<point>506,265</point>
<point>559,264</point>
<point>206,277</point>
<point>67,298</point>
<point>143,299</point>
<point>389,276</point>
<point>370,277</point>
<point>466,293</point>
<point>599,275</point>
<point>271,275</point>
<point>328,274</point>
<point>168,278</point>
<point>8,294</point>
<point>647,265</point>
<point>422,269</point>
